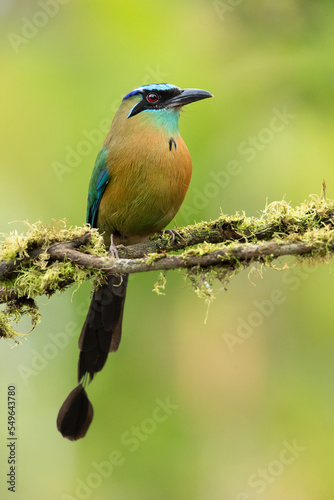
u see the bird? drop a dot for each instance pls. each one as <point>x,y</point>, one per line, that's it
<point>139,181</point>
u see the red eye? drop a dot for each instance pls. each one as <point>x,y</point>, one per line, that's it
<point>152,97</point>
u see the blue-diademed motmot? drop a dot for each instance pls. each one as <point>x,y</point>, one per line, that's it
<point>139,181</point>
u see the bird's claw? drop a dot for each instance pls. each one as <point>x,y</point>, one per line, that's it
<point>173,233</point>
<point>114,248</point>
<point>113,251</point>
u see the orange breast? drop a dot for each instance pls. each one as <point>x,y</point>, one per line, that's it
<point>148,182</point>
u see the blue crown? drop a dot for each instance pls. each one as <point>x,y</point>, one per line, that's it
<point>153,86</point>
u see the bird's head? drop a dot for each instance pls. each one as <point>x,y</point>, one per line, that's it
<point>157,105</point>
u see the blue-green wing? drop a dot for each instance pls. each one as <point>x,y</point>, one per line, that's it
<point>97,185</point>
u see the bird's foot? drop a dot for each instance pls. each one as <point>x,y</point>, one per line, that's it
<point>114,248</point>
<point>174,233</point>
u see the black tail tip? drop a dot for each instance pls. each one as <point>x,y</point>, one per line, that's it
<point>75,415</point>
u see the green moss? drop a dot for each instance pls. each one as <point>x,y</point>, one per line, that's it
<point>160,284</point>
<point>41,277</point>
<point>14,311</point>
<point>6,329</point>
<point>35,281</point>
<point>311,222</point>
<point>38,235</point>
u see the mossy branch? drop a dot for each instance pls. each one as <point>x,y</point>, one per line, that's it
<point>49,259</point>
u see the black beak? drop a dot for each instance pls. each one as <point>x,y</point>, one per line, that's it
<point>186,97</point>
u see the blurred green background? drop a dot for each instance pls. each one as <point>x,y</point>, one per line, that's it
<point>65,65</point>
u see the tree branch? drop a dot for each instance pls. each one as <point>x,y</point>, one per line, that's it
<point>49,259</point>
<point>164,262</point>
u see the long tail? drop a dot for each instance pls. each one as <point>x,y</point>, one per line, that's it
<point>101,334</point>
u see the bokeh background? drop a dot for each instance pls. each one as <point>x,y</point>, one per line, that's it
<point>65,65</point>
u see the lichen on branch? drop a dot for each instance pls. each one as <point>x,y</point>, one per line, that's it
<point>48,259</point>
